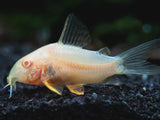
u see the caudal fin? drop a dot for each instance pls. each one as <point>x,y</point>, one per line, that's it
<point>134,61</point>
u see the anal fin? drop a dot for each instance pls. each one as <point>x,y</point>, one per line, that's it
<point>76,89</point>
<point>113,80</point>
<point>53,87</point>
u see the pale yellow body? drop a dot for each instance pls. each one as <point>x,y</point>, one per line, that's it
<point>57,65</point>
<point>75,65</point>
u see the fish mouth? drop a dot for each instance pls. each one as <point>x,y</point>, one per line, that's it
<point>12,84</point>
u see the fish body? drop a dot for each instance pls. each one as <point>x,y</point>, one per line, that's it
<point>79,66</point>
<point>67,64</point>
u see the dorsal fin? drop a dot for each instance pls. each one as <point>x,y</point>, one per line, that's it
<point>105,51</point>
<point>74,32</point>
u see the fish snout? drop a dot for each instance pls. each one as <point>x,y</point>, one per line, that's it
<point>12,81</point>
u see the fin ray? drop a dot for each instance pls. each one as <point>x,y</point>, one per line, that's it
<point>76,89</point>
<point>113,80</point>
<point>74,32</point>
<point>105,51</point>
<point>53,87</point>
<point>134,61</point>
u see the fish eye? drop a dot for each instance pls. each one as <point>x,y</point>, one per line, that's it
<point>26,63</point>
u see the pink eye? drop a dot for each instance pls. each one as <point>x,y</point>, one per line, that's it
<point>26,63</point>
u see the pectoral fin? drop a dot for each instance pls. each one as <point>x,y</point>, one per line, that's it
<point>76,89</point>
<point>53,87</point>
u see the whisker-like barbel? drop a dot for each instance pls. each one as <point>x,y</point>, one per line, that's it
<point>6,86</point>
<point>10,95</point>
<point>11,83</point>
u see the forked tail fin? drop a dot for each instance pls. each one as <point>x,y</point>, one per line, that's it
<point>134,61</point>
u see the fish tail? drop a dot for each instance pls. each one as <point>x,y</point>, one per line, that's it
<point>134,61</point>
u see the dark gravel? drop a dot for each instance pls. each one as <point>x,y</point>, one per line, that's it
<point>137,99</point>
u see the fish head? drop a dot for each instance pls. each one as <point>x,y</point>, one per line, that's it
<point>25,71</point>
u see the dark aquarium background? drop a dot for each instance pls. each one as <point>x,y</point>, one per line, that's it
<point>26,25</point>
